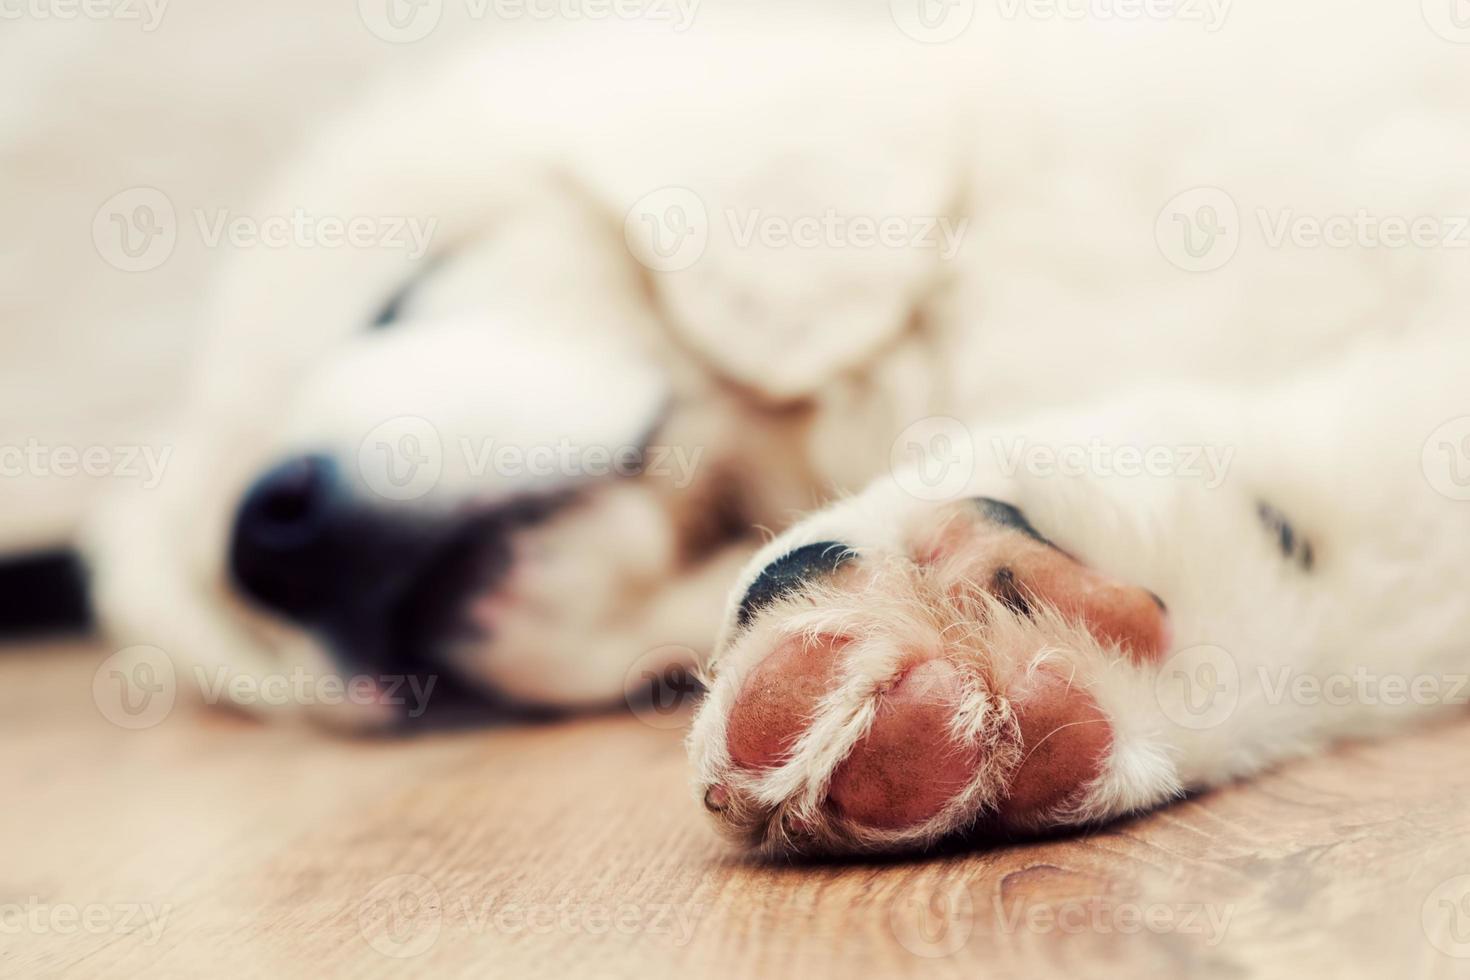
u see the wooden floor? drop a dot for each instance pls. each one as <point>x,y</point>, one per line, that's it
<point>212,846</point>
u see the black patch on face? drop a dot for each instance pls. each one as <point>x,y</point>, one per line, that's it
<point>1294,548</point>
<point>790,572</point>
<point>1006,515</point>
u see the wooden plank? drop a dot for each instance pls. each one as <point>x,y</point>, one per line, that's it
<point>576,849</point>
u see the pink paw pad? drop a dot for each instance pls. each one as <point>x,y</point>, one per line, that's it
<point>779,699</point>
<point>1065,738</point>
<point>907,767</point>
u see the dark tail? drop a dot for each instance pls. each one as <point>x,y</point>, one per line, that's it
<point>43,592</point>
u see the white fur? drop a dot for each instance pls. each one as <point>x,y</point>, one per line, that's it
<point>794,369</point>
<point>1339,449</point>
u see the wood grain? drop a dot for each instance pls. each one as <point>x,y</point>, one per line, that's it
<point>575,849</point>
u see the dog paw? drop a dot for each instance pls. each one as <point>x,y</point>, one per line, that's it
<point>958,672</point>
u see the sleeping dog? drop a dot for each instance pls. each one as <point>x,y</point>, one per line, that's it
<point>1053,286</point>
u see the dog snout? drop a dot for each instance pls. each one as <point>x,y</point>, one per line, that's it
<point>305,546</point>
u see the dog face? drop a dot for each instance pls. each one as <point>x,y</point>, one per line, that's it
<point>428,473</point>
<point>498,458</point>
<point>483,480</point>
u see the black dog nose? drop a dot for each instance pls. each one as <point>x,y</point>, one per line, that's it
<point>286,507</point>
<point>279,540</point>
<point>304,545</point>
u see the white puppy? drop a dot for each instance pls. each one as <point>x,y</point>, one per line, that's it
<point>622,297</point>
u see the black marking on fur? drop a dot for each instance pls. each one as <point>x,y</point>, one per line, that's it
<point>790,572</point>
<point>392,310</point>
<point>1294,547</point>
<point>1005,588</point>
<point>1007,515</point>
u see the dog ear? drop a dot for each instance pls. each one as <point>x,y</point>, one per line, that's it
<point>808,251</point>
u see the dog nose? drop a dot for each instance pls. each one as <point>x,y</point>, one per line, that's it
<point>280,536</point>
<point>303,545</point>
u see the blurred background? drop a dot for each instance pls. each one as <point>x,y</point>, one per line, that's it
<point>201,99</point>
